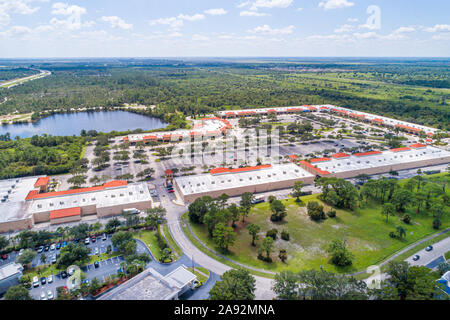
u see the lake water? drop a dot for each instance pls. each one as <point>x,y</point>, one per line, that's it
<point>68,124</point>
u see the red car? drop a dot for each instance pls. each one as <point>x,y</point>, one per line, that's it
<point>4,256</point>
<point>93,239</point>
<point>171,191</point>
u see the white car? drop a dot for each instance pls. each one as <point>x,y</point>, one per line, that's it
<point>87,241</point>
<point>71,271</point>
<point>50,295</point>
<point>43,296</point>
<point>21,251</point>
<point>35,282</point>
<point>50,279</point>
<point>53,247</point>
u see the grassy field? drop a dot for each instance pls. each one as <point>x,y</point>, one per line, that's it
<point>172,242</point>
<point>365,230</point>
<point>202,276</point>
<point>149,238</point>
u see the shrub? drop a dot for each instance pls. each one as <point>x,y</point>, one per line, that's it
<point>270,199</point>
<point>392,234</point>
<point>285,235</point>
<point>272,233</point>
<point>315,211</point>
<point>264,258</point>
<point>331,213</point>
<point>437,223</point>
<point>407,219</point>
<point>282,255</point>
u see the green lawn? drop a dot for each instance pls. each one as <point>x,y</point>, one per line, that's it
<point>172,242</point>
<point>365,230</point>
<point>200,276</point>
<point>447,255</point>
<point>149,238</point>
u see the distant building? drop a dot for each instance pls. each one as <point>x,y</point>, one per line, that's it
<point>9,276</point>
<point>445,280</point>
<point>151,285</point>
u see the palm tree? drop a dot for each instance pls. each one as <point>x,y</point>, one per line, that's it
<point>401,232</point>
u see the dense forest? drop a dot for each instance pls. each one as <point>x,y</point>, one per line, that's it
<point>39,155</point>
<point>413,90</point>
<point>14,73</point>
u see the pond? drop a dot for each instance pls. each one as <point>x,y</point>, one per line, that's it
<point>68,124</point>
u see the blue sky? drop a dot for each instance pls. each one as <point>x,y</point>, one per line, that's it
<point>174,28</point>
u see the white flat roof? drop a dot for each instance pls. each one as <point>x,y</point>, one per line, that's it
<point>14,206</point>
<point>131,193</point>
<point>207,182</point>
<point>264,110</point>
<point>10,270</point>
<point>384,159</point>
<point>180,277</point>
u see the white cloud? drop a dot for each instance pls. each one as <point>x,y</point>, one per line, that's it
<point>73,13</point>
<point>266,29</point>
<point>172,22</point>
<point>252,14</point>
<point>344,28</point>
<point>269,4</point>
<point>8,7</point>
<point>116,22</point>
<point>335,4</point>
<point>445,36</point>
<point>216,12</point>
<point>352,20</point>
<point>438,27</point>
<point>199,37</point>
<point>405,30</point>
<point>299,9</point>
<point>195,17</point>
<point>366,35</point>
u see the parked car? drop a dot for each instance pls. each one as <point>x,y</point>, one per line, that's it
<point>71,271</point>
<point>429,248</point>
<point>43,280</point>
<point>53,247</point>
<point>93,239</point>
<point>40,249</point>
<point>50,295</point>
<point>96,264</point>
<point>416,257</point>
<point>58,246</point>
<point>63,274</point>
<point>171,191</point>
<point>21,251</point>
<point>43,296</point>
<point>104,237</point>
<point>50,279</point>
<point>87,241</point>
<point>96,251</point>
<point>64,244</point>
<point>35,282</point>
<point>46,248</point>
<point>53,259</point>
<point>4,256</point>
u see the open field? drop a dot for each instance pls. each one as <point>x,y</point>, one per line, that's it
<point>365,231</point>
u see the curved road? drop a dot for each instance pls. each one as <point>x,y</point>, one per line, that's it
<point>174,213</point>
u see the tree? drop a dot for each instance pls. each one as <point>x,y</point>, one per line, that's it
<point>340,255</point>
<point>266,246</point>
<point>26,257</point>
<point>80,231</point>
<point>224,236</point>
<point>43,258</point>
<point>18,293</point>
<point>94,286</point>
<point>76,254</point>
<point>253,230</point>
<point>315,210</point>
<point>285,285</point>
<point>246,204</point>
<point>318,285</point>
<point>278,210</point>
<point>388,210</point>
<point>297,190</point>
<point>405,282</point>
<point>235,284</point>
<point>400,198</point>
<point>146,173</point>
<point>235,214</point>
<point>401,232</point>
<point>77,180</point>
<point>124,242</point>
<point>4,242</point>
<point>112,224</point>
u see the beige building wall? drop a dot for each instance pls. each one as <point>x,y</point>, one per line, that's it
<point>16,225</point>
<point>240,190</point>
<point>65,220</point>
<point>118,209</point>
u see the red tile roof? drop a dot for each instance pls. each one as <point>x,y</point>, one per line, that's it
<point>168,171</point>
<point>430,134</point>
<point>271,110</point>
<point>400,149</point>
<point>295,109</point>
<point>378,120</point>
<point>324,108</point>
<point>417,146</point>
<point>340,155</point>
<point>34,194</point>
<point>309,165</point>
<point>408,128</point>
<point>40,182</point>
<point>150,138</point>
<point>63,213</point>
<point>355,115</point>
<point>369,153</point>
<point>218,170</point>
<point>125,138</point>
<point>293,157</point>
<point>319,160</point>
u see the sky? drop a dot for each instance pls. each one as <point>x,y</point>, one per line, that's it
<point>225,28</point>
